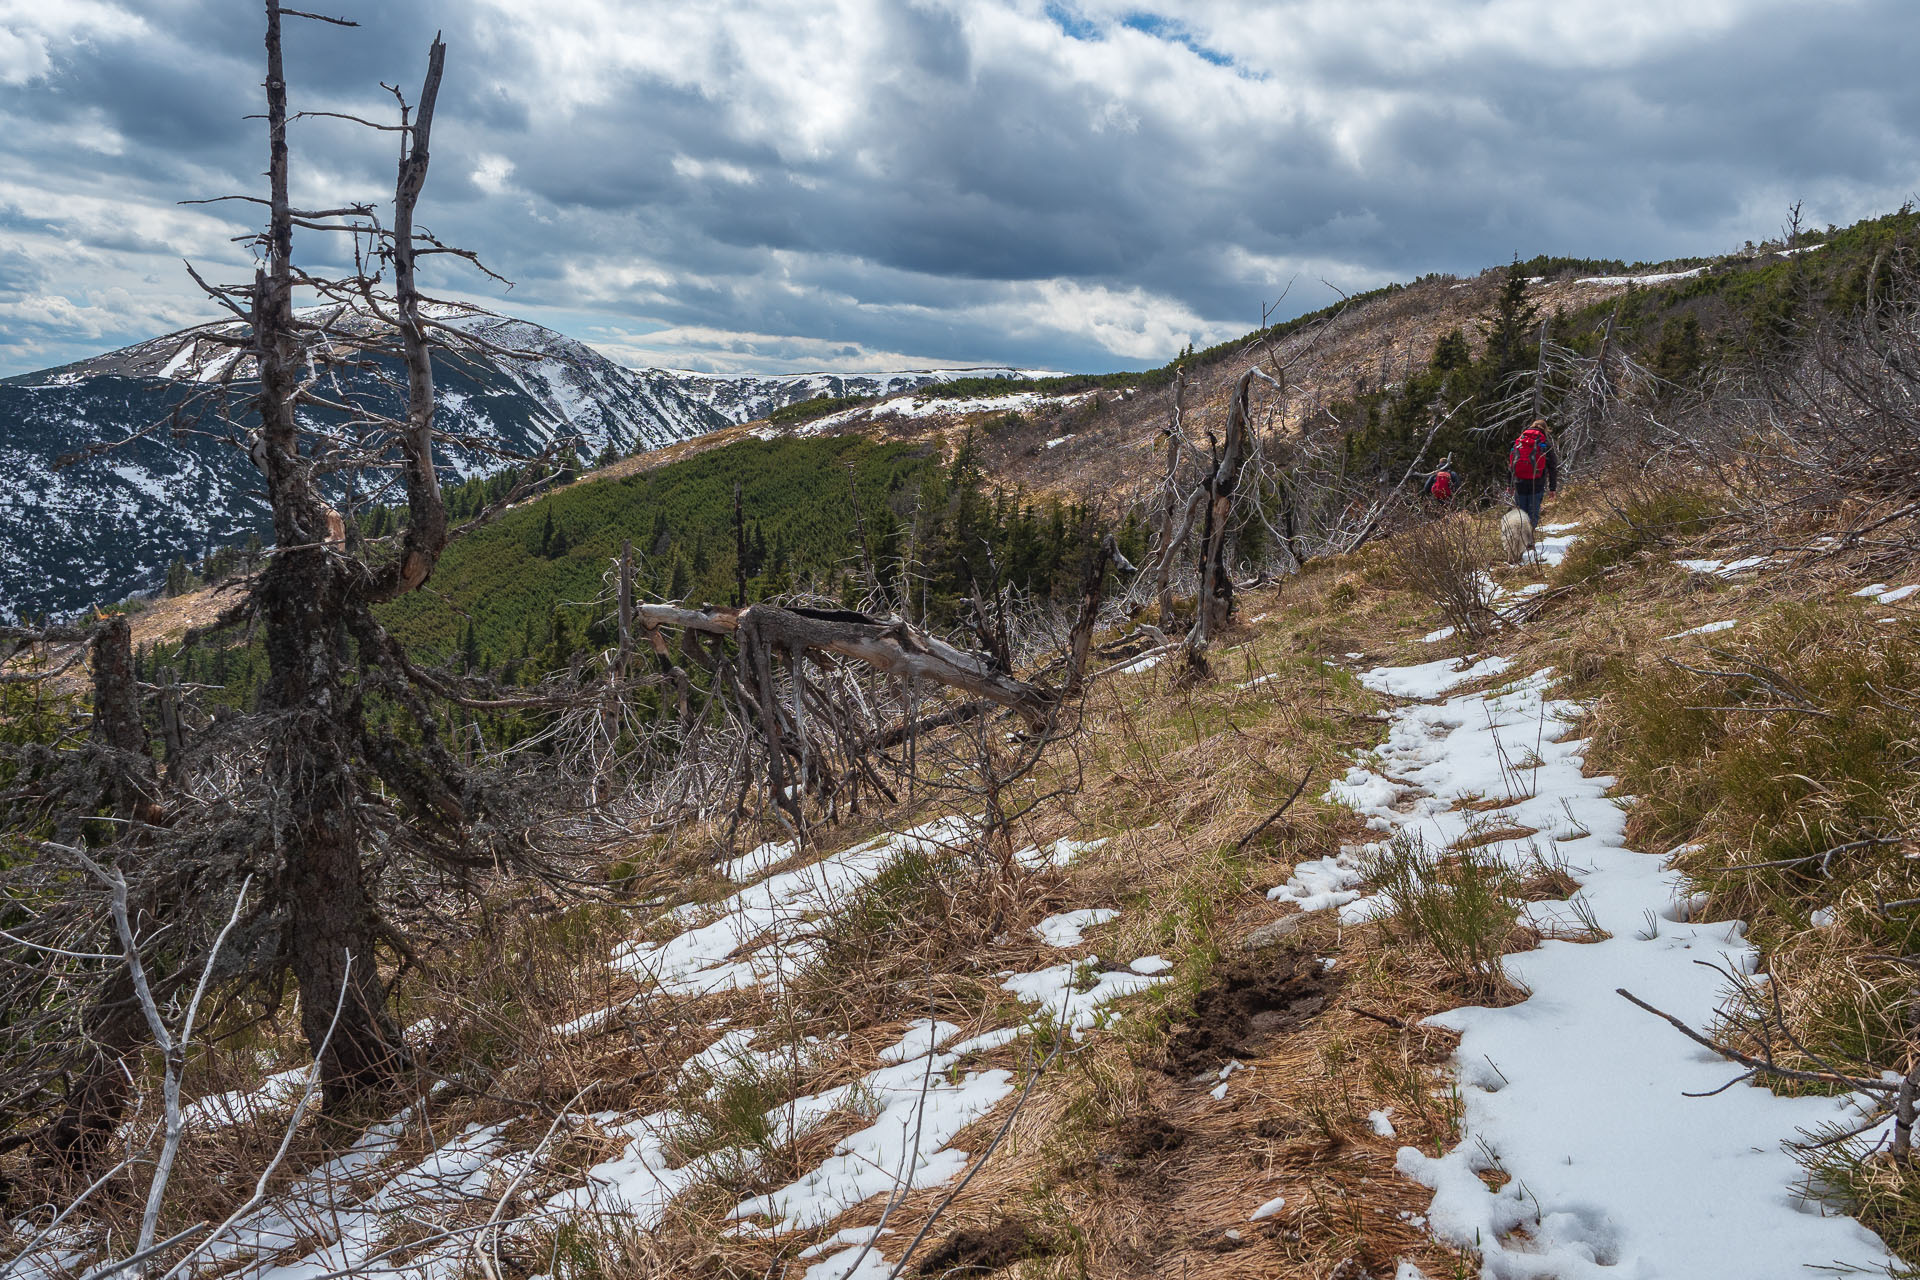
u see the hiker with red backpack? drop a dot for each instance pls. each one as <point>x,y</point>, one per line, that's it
<point>1535,469</point>
<point>1442,484</point>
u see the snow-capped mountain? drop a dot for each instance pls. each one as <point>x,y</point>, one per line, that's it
<point>106,527</point>
<point>557,387</point>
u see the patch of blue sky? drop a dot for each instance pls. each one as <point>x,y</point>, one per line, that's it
<point>1074,24</point>
<point>1163,28</point>
<point>1078,26</point>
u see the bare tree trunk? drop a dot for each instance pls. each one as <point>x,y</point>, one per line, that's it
<point>1170,510</point>
<point>114,1027</point>
<point>117,728</point>
<point>312,600</point>
<point>1215,606</point>
<point>1091,589</point>
<point>313,760</point>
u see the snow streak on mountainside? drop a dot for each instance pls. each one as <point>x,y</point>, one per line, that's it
<point>567,387</point>
<point>747,397</point>
<point>107,527</point>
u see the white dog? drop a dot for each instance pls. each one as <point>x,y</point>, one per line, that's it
<point>1516,534</point>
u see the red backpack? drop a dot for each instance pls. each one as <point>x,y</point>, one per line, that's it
<point>1528,457</point>
<point>1441,486</point>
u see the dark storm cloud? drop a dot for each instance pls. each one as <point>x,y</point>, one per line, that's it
<point>772,183</point>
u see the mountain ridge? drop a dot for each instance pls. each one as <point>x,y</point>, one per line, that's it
<point>105,527</point>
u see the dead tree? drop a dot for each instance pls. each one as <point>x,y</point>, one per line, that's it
<point>1175,512</point>
<point>1289,476</point>
<point>1215,605</point>
<point>1590,399</point>
<point>315,603</point>
<point>806,702</point>
<point>337,681</point>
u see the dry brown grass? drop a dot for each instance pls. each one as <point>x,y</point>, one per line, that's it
<point>1176,777</point>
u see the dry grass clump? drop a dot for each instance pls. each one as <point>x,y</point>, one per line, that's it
<point>918,940</point>
<point>1642,512</point>
<point>1882,1194</point>
<point>1445,561</point>
<point>486,998</point>
<point>1793,737</point>
<point>1464,905</point>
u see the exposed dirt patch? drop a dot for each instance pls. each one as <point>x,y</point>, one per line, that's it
<point>1251,1000</point>
<point>979,1251</point>
<point>1141,1137</point>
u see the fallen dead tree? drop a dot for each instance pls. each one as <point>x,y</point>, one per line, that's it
<point>888,645</point>
<point>825,703</point>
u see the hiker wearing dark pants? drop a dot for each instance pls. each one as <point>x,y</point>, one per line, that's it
<point>1535,469</point>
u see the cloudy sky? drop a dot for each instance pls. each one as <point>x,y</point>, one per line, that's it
<point>776,185</point>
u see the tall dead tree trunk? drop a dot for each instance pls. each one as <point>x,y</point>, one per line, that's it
<point>1080,639</point>
<point>1215,605</point>
<point>304,601</point>
<point>1175,516</point>
<point>315,601</point>
<point>81,1135</point>
<point>117,728</point>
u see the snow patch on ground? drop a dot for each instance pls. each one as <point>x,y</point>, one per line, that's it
<point>1321,883</point>
<point>1659,277</point>
<point>277,1092</point>
<point>1574,1093</point>
<point>1703,630</point>
<point>1430,679</point>
<point>1065,929</point>
<point>750,866</point>
<point>1074,995</point>
<point>1551,550</point>
<point>1722,568</point>
<point>777,911</point>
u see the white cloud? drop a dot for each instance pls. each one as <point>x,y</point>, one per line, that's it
<point>1131,323</point>
<point>724,351</point>
<point>32,32</point>
<point>493,174</point>
<point>701,170</point>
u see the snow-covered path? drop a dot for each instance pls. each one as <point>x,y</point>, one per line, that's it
<point>1574,1093</point>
